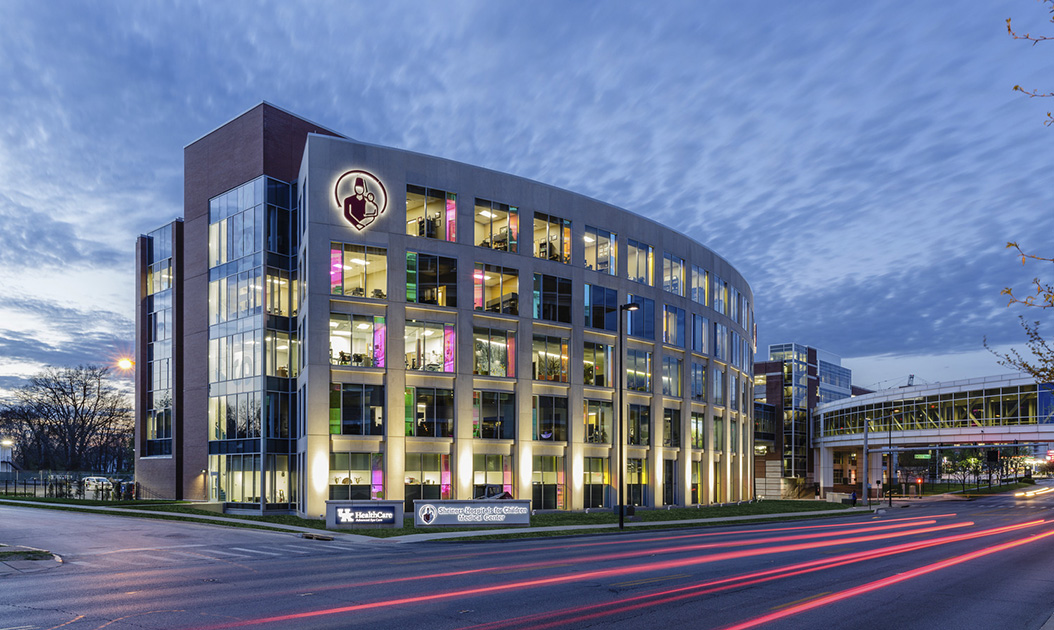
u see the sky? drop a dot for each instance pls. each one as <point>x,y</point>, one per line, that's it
<point>863,165</point>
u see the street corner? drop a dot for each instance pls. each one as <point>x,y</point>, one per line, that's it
<point>16,560</point>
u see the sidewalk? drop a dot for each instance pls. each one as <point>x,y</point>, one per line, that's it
<point>440,534</point>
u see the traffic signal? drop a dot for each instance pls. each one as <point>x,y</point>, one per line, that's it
<point>918,480</point>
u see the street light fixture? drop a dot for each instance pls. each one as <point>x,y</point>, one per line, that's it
<point>621,424</point>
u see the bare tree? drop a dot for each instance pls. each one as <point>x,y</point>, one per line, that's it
<point>70,419</point>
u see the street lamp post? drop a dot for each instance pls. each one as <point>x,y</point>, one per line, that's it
<point>621,375</point>
<point>889,473</point>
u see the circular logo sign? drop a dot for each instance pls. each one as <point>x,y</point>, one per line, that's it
<point>428,513</point>
<point>361,196</point>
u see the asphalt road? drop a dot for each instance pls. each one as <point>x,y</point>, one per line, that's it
<point>978,564</point>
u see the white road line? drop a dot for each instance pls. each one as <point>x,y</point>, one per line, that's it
<point>296,548</point>
<point>226,553</point>
<point>266,553</point>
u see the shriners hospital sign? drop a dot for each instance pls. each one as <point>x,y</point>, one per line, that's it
<point>361,196</point>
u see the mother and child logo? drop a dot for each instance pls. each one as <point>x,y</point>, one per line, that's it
<point>362,197</point>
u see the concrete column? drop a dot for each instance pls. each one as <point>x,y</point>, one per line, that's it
<point>825,471</point>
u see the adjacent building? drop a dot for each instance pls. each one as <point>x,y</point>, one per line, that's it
<point>923,424</point>
<point>787,388</point>
<point>333,319</point>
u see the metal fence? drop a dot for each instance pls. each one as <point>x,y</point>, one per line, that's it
<point>69,489</point>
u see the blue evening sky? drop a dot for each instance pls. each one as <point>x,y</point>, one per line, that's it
<point>862,164</point>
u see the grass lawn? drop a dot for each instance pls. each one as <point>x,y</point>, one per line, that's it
<point>188,511</point>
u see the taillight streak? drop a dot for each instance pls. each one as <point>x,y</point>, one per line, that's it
<point>595,574</point>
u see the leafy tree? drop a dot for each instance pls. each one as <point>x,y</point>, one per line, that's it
<point>962,466</point>
<point>70,419</point>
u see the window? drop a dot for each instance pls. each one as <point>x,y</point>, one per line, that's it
<point>717,378</point>
<point>230,297</point>
<point>735,302</point>
<point>431,213</point>
<point>431,279</point>
<point>719,433</point>
<point>552,298</point>
<point>356,409</point>
<point>358,271</point>
<point>598,415</point>
<point>671,376</point>
<point>427,477</point>
<point>356,476</point>
<point>597,364</point>
<point>672,274</point>
<point>733,395</point>
<point>550,418</point>
<point>280,354</point>
<point>636,481</point>
<point>735,351</point>
<point>700,334</point>
<point>639,262</point>
<point>734,430</point>
<point>494,415</point>
<point>549,358</point>
<point>638,370</point>
<point>601,307</point>
<point>673,326</point>
<point>720,296</point>
<point>639,425</point>
<point>497,225</point>
<point>642,320</point>
<point>698,421</point>
<point>552,238</point>
<point>491,350</point>
<point>700,285</point>
<point>596,481</point>
<point>698,382</point>
<point>547,482</point>
<point>430,346</point>
<point>356,340</point>
<point>601,247</point>
<point>429,412</point>
<point>281,298</point>
<point>671,428</point>
<point>491,475</point>
<point>496,289</point>
<point>720,342</point>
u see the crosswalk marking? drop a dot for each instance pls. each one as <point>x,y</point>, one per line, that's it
<point>227,553</point>
<point>266,553</point>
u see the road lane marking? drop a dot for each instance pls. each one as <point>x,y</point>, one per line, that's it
<point>800,601</point>
<point>226,553</point>
<point>661,578</point>
<point>266,553</point>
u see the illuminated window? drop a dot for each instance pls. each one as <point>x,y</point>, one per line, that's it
<point>547,482</point>
<point>698,421</point>
<point>673,326</point>
<point>598,366</point>
<point>640,262</point>
<point>356,340</point>
<point>552,238</point>
<point>431,213</point>
<point>638,370</point>
<point>672,274</point>
<point>429,346</point>
<point>497,225</point>
<point>491,475</point>
<point>492,350</point>
<point>356,476</point>
<point>496,289</point>
<point>427,476</point>
<point>280,354</point>
<point>549,358</point>
<point>596,481</point>
<point>638,425</point>
<point>549,421</point>
<point>700,285</point>
<point>600,250</point>
<point>598,415</point>
<point>636,481</point>
<point>358,271</point>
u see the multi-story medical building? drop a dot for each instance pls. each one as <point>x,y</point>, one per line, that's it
<point>333,319</point>
<point>794,380</point>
